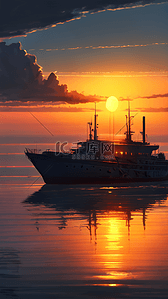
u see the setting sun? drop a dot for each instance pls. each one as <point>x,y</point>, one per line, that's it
<point>112,104</point>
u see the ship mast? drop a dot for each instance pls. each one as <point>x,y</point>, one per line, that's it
<point>90,130</point>
<point>95,125</point>
<point>128,124</point>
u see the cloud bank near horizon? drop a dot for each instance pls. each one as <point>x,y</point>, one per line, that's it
<point>23,87</point>
<point>155,96</point>
<point>23,17</point>
<point>22,82</point>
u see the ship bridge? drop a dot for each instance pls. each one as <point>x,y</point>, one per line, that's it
<point>135,149</point>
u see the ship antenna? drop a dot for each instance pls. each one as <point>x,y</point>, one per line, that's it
<point>41,124</point>
<point>95,124</point>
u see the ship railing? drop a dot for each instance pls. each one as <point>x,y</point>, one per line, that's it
<point>32,151</point>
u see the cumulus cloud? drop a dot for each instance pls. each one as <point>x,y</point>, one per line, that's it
<point>22,81</point>
<point>21,17</point>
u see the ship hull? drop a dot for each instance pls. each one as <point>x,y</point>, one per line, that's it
<point>65,170</point>
<point>93,181</point>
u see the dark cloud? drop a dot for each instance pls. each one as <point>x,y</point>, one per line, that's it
<point>20,17</point>
<point>46,109</point>
<point>125,99</point>
<point>155,96</point>
<point>21,81</point>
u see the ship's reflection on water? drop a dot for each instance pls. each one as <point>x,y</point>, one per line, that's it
<point>91,202</point>
<point>104,236</point>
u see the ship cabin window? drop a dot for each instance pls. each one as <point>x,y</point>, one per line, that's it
<point>121,153</point>
<point>116,152</point>
<point>131,154</point>
<point>125,153</point>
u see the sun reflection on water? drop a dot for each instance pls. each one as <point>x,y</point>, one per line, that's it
<point>100,235</point>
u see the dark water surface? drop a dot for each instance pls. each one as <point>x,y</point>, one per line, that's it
<point>80,241</point>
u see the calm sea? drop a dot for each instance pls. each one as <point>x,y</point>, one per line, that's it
<point>79,241</point>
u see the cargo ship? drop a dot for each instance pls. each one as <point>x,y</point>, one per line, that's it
<point>97,161</point>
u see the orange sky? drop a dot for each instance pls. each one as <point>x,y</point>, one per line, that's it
<point>125,86</point>
<point>120,52</point>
